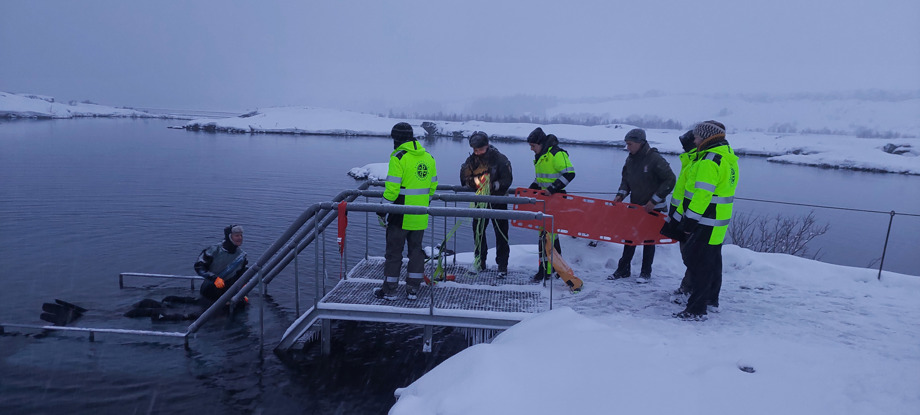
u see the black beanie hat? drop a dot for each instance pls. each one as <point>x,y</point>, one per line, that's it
<point>537,136</point>
<point>636,135</point>
<point>402,132</point>
<point>479,139</point>
<point>686,141</point>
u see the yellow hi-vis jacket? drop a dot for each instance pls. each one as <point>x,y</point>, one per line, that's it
<point>551,168</point>
<point>709,191</point>
<point>412,177</point>
<point>677,196</point>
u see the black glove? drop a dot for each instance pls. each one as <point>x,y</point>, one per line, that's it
<point>686,141</point>
<point>688,225</point>
<point>669,229</point>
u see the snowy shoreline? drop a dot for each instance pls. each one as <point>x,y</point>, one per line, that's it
<point>15,106</point>
<point>883,155</point>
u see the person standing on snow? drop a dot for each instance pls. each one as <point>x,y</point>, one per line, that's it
<point>489,171</point>
<point>554,171</point>
<point>706,210</point>
<point>647,179</point>
<point>412,177</point>
<point>222,264</point>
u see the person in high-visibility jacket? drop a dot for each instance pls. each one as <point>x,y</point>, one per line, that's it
<point>412,177</point>
<point>554,171</point>
<point>705,212</point>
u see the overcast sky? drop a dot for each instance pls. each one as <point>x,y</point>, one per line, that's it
<point>238,55</point>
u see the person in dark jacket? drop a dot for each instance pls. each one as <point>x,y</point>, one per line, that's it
<point>647,179</point>
<point>222,264</point>
<point>488,171</point>
<point>553,172</point>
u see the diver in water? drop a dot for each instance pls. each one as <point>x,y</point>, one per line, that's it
<point>220,265</point>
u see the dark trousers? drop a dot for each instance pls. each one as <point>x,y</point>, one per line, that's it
<point>686,284</point>
<point>502,250</point>
<point>397,238</point>
<point>544,257</point>
<point>648,255</point>
<point>704,264</point>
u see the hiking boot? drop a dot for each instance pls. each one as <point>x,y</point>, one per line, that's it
<point>475,269</point>
<point>539,276</point>
<point>688,316</point>
<point>412,291</point>
<point>386,292</point>
<point>644,278</point>
<point>712,309</point>
<point>680,297</point>
<point>502,272</point>
<point>619,273</point>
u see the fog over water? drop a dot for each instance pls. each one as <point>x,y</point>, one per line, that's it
<point>376,56</point>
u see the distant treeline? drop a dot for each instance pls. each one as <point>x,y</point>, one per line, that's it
<point>861,132</point>
<point>648,121</point>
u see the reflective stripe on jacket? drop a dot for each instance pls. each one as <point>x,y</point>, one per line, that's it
<point>552,166</point>
<point>412,177</point>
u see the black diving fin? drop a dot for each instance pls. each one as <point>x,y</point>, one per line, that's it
<point>61,313</point>
<point>79,309</point>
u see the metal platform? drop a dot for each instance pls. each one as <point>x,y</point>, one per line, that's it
<point>476,301</point>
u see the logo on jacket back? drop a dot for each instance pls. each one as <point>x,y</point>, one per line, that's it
<point>421,171</point>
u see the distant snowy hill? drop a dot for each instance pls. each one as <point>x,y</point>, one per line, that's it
<point>39,106</point>
<point>865,115</point>
<point>869,131</point>
<point>895,155</point>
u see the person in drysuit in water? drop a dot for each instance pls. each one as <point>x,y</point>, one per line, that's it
<point>220,265</point>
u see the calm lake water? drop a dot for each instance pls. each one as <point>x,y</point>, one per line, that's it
<point>83,200</point>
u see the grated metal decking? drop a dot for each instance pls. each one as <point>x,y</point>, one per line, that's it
<point>477,301</point>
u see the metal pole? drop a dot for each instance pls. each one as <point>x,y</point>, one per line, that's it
<point>550,237</point>
<point>367,231</point>
<point>455,239</point>
<point>322,235</point>
<point>262,311</point>
<point>296,285</point>
<point>316,266</point>
<point>885,249</point>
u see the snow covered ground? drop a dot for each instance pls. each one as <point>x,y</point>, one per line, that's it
<point>38,106</point>
<point>820,338</point>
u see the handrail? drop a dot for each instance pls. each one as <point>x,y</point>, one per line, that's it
<point>307,235</point>
<point>252,271</point>
<point>271,263</point>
